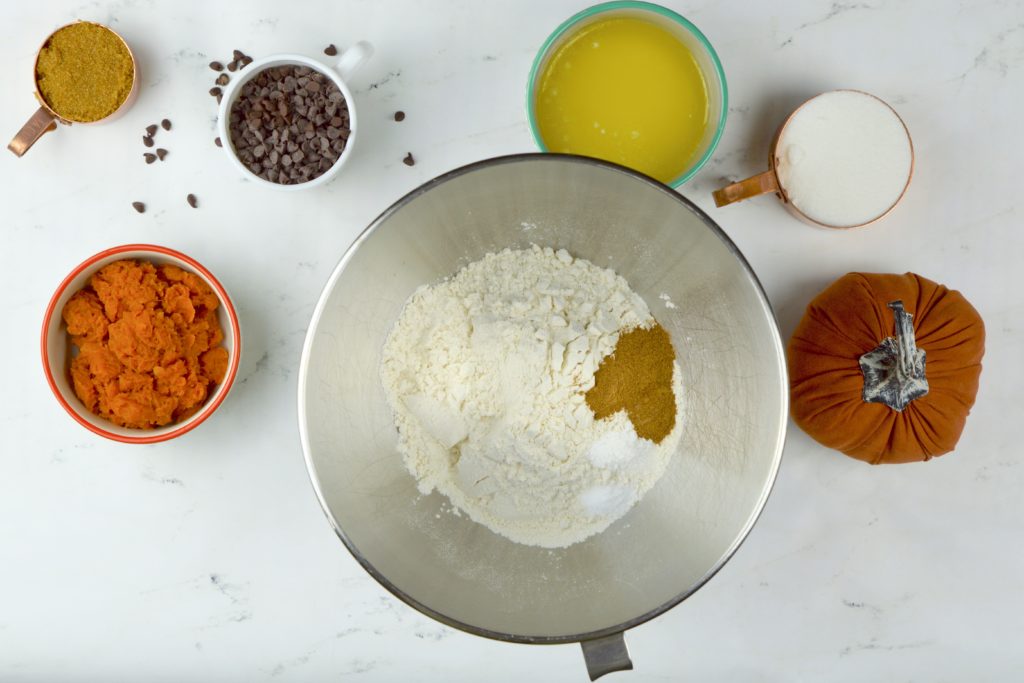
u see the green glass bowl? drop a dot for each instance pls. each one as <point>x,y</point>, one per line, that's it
<point>707,59</point>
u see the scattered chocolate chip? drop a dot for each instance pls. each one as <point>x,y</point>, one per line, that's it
<point>151,130</point>
<point>161,153</point>
<point>237,55</point>
<point>147,141</point>
<point>139,206</point>
<point>331,51</point>
<point>217,142</point>
<point>399,116</point>
<point>150,158</point>
<point>233,66</point>
<point>289,124</point>
<point>408,160</point>
<point>192,201</point>
<point>214,91</point>
<point>216,66</point>
<point>166,123</point>
<point>245,61</point>
<point>223,79</point>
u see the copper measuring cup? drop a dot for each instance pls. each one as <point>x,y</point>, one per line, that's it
<point>768,181</point>
<point>45,119</point>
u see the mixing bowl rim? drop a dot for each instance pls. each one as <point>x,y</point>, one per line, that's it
<point>304,367</point>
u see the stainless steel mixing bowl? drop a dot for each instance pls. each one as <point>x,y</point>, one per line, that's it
<point>680,533</point>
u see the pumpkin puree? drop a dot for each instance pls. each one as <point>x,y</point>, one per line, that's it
<point>148,343</point>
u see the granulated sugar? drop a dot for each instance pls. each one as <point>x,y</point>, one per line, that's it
<point>844,158</point>
<point>486,374</point>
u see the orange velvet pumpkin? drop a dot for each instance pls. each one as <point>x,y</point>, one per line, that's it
<point>885,367</point>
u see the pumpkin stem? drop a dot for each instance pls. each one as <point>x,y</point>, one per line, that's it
<point>894,371</point>
<point>905,341</point>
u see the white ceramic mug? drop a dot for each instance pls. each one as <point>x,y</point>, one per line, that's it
<point>349,61</point>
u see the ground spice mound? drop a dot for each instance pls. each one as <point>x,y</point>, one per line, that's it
<point>84,72</point>
<point>637,378</point>
<point>148,343</point>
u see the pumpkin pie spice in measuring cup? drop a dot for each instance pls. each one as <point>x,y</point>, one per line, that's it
<point>84,73</point>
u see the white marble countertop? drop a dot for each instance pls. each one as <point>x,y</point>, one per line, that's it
<point>208,558</point>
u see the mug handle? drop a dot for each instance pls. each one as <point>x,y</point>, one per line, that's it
<point>762,183</point>
<point>353,58</point>
<point>41,122</point>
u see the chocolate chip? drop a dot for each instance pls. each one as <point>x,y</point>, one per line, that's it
<point>216,66</point>
<point>217,142</point>
<point>399,116</point>
<point>192,201</point>
<point>150,158</point>
<point>408,160</point>
<point>233,66</point>
<point>151,130</point>
<point>147,141</point>
<point>331,51</point>
<point>139,206</point>
<point>161,153</point>
<point>166,123</point>
<point>246,61</point>
<point>214,91</point>
<point>223,79</point>
<point>237,55</point>
<point>289,124</point>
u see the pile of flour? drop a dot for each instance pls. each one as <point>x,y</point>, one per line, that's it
<point>486,374</point>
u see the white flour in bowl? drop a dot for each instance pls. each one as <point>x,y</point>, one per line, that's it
<point>486,374</point>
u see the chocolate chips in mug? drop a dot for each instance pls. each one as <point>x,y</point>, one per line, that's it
<point>289,124</point>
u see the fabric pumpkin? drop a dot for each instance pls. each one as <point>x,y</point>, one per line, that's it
<point>885,367</point>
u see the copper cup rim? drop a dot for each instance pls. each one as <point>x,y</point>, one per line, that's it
<point>781,189</point>
<point>120,108</point>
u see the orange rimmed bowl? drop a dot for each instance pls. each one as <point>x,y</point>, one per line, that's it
<point>56,345</point>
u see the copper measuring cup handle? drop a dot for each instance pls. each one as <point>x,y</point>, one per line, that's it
<point>762,183</point>
<point>41,122</point>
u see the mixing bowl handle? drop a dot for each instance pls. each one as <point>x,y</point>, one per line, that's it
<point>605,655</point>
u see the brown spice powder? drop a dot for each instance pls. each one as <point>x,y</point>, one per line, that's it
<point>637,378</point>
<point>84,72</point>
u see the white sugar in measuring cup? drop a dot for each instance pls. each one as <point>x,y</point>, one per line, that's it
<point>842,159</point>
<point>346,65</point>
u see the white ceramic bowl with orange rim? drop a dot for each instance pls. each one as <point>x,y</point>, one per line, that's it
<point>56,345</point>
